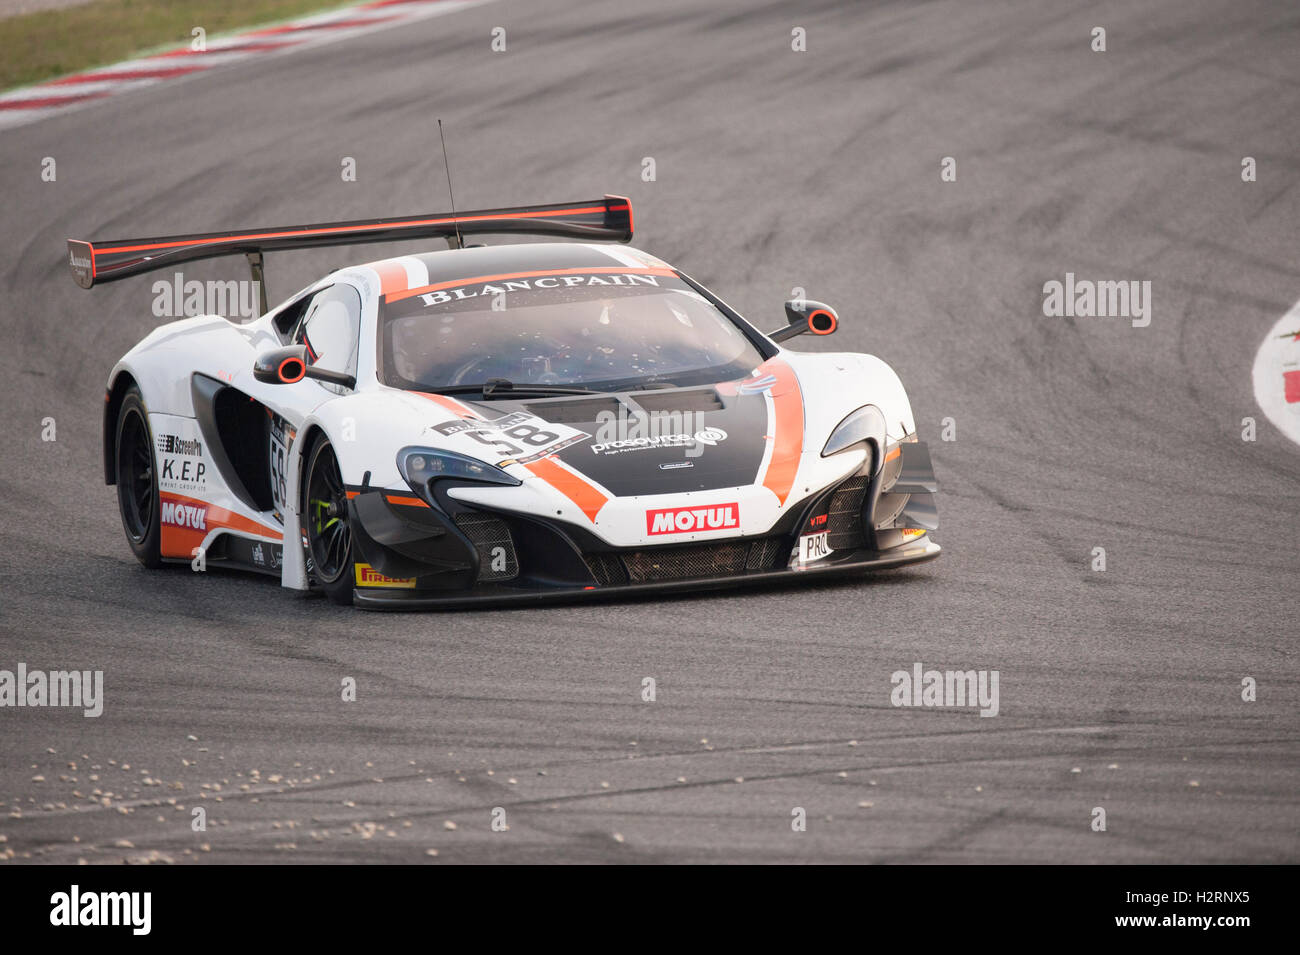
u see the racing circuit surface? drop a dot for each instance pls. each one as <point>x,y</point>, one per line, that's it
<point>1119,689</point>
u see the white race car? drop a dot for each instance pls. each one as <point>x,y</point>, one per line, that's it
<point>502,424</point>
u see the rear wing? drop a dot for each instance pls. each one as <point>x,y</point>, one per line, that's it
<point>106,260</point>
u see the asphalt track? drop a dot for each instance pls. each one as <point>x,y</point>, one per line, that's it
<point>1119,689</point>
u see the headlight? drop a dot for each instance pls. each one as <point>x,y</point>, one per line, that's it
<point>420,467</point>
<point>868,421</point>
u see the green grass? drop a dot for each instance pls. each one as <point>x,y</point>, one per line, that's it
<point>40,46</point>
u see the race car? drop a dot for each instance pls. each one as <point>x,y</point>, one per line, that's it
<point>502,424</point>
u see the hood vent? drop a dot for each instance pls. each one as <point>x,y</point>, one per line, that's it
<point>574,410</point>
<point>670,402</point>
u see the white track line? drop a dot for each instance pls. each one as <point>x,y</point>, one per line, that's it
<point>79,90</point>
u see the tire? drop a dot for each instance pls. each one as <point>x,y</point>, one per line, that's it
<point>137,480</point>
<point>325,515</point>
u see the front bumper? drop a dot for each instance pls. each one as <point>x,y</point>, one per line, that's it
<point>454,555</point>
<point>441,554</point>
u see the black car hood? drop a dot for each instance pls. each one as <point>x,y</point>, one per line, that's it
<point>656,442</point>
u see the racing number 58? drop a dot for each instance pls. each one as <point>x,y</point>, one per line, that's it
<point>527,433</point>
<point>277,469</point>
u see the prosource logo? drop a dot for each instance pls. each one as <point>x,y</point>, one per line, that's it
<point>642,431</point>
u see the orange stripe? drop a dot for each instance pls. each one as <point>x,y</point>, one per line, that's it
<point>408,501</point>
<point>617,270</point>
<point>289,233</point>
<point>787,430</point>
<point>181,541</point>
<point>573,486</point>
<point>392,276</point>
<point>450,404</point>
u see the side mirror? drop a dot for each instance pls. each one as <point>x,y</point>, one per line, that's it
<point>289,365</point>
<point>806,316</point>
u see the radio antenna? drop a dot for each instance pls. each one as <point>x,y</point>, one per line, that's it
<point>452,195</point>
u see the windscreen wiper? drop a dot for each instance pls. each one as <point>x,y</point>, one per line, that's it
<point>504,388</point>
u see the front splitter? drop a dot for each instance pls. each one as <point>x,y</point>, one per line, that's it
<point>407,600</point>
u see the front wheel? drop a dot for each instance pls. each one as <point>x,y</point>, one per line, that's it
<point>329,536</point>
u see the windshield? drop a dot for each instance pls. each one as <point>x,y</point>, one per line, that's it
<point>603,330</point>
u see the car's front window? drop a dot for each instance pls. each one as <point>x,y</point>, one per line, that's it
<point>593,329</point>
